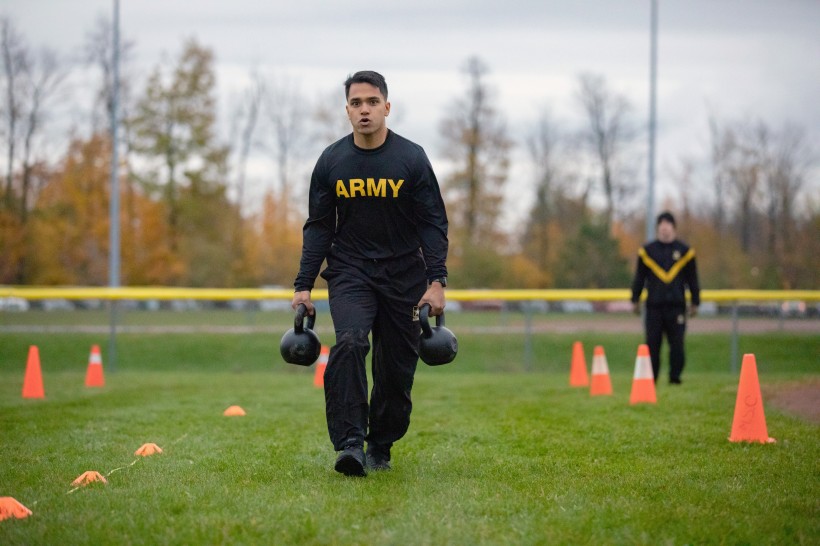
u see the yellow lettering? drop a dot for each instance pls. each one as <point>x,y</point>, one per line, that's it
<point>395,186</point>
<point>341,190</point>
<point>379,189</point>
<point>356,186</point>
<point>371,187</point>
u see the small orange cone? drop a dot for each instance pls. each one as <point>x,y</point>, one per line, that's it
<point>643,381</point>
<point>10,508</point>
<point>148,449</point>
<point>321,364</point>
<point>749,424</point>
<point>578,371</point>
<point>94,374</point>
<point>33,382</point>
<point>601,383</point>
<point>233,411</point>
<point>88,477</point>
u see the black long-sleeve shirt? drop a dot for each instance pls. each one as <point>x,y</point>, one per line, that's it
<point>374,204</point>
<point>666,269</point>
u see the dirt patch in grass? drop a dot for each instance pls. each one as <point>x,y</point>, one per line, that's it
<point>801,399</point>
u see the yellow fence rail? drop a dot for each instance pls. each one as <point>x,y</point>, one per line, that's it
<point>223,294</point>
<point>734,298</point>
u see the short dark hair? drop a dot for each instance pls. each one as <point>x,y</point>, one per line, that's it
<point>665,216</point>
<point>366,76</point>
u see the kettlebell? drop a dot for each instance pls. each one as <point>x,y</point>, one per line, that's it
<point>300,345</point>
<point>437,344</point>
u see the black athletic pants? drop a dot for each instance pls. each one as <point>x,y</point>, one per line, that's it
<point>669,320</point>
<point>372,296</point>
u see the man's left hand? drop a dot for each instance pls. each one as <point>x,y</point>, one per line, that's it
<point>693,310</point>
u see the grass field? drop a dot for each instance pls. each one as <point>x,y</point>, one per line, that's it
<point>496,454</point>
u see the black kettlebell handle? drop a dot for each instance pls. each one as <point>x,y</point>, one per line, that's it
<point>424,318</point>
<point>299,320</point>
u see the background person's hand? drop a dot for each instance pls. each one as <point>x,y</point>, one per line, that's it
<point>636,308</point>
<point>693,310</point>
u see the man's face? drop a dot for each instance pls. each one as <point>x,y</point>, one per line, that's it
<point>666,232</point>
<point>366,108</point>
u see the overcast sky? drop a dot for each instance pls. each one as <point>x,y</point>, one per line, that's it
<point>733,58</point>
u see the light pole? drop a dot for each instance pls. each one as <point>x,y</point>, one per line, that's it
<point>653,76</point>
<point>114,202</point>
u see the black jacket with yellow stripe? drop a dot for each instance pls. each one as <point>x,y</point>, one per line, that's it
<point>666,269</point>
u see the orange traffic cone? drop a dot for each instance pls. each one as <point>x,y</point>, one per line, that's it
<point>578,371</point>
<point>11,508</point>
<point>321,364</point>
<point>749,424</point>
<point>601,383</point>
<point>643,381</point>
<point>33,382</point>
<point>94,374</point>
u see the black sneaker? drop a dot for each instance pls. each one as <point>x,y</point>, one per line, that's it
<point>352,461</point>
<point>675,381</point>
<point>377,459</point>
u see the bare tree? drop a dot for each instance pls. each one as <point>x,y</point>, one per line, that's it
<point>31,82</point>
<point>542,145</point>
<point>330,121</point>
<point>683,176</point>
<point>771,179</point>
<point>45,81</point>
<point>758,174</point>
<point>607,136</point>
<point>725,156</point>
<point>16,62</point>
<point>476,142</point>
<point>793,160</point>
<point>744,182</point>
<point>723,145</point>
<point>98,52</point>
<point>244,130</point>
<point>786,159</point>
<point>284,106</point>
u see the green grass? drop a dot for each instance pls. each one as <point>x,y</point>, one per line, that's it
<point>494,455</point>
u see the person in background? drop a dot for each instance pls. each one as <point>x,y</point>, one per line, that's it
<point>666,267</point>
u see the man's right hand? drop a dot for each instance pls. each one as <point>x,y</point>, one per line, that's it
<point>636,308</point>
<point>303,297</point>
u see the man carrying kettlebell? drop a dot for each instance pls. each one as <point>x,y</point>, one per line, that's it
<point>377,216</point>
